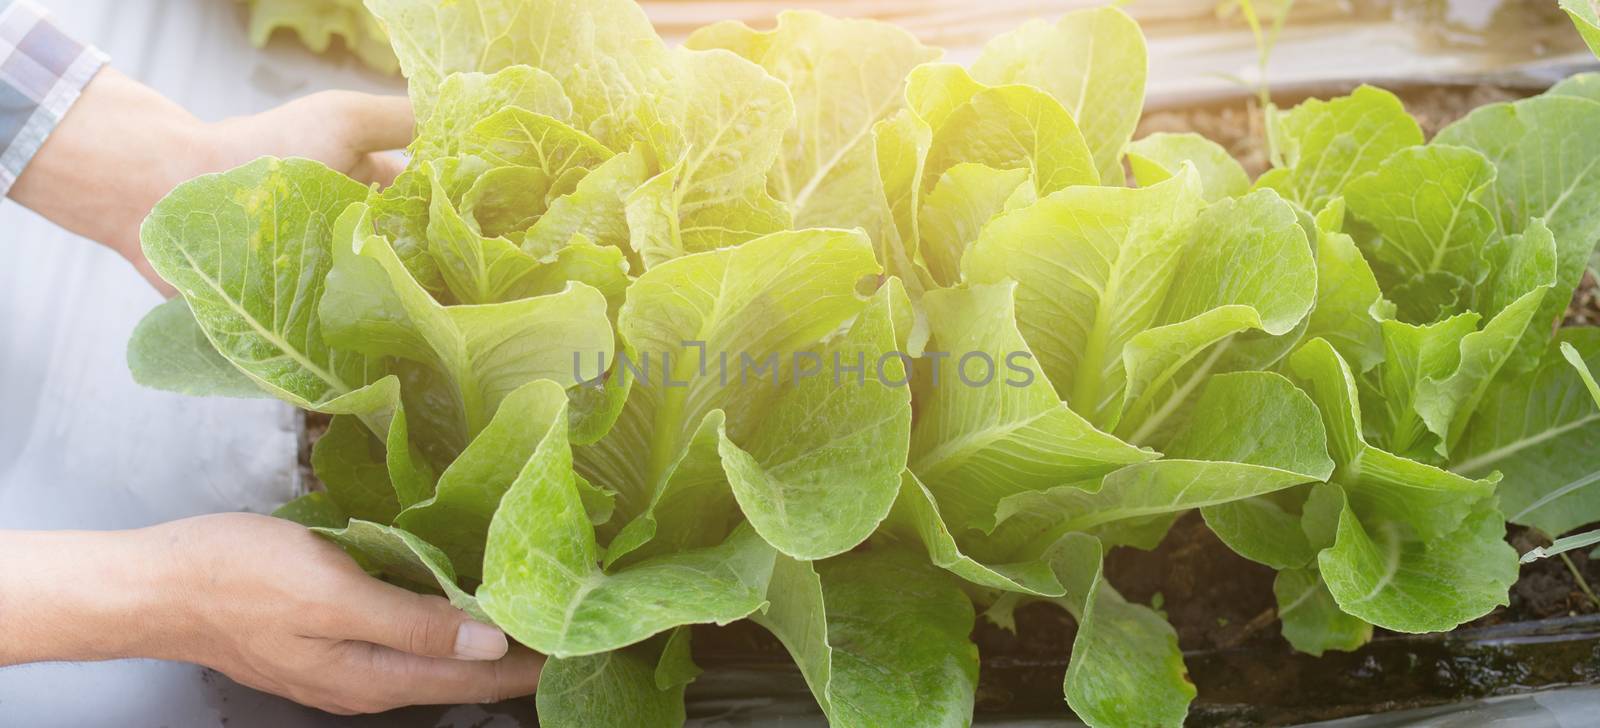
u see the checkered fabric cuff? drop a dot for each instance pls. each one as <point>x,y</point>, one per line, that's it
<point>42,71</point>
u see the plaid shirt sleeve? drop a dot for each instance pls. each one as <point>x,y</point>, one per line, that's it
<point>42,71</point>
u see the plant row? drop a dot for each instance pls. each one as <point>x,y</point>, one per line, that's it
<point>1351,366</point>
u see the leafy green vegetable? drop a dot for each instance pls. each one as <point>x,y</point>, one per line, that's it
<point>169,351</point>
<point>1092,61</point>
<point>403,557</point>
<point>1416,549</point>
<point>318,22</point>
<point>641,685</point>
<point>1575,358</point>
<point>1159,156</point>
<point>879,636</point>
<point>976,445</point>
<point>1324,145</point>
<point>827,171</point>
<point>1312,619</point>
<point>1585,15</point>
<point>1140,284</point>
<point>805,327</point>
<point>543,583</point>
<point>1119,645</point>
<point>1538,429</point>
<point>1527,141</point>
<point>227,241</point>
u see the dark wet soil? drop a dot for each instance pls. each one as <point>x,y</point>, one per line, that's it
<point>1222,608</point>
<point>1218,600</point>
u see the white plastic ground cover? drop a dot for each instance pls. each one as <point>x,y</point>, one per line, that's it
<point>1565,708</point>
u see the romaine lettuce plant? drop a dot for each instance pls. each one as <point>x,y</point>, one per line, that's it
<point>317,22</point>
<point>805,327</point>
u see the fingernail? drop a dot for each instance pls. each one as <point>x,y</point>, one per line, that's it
<point>479,641</point>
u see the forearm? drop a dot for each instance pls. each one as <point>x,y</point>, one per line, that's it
<point>111,158</point>
<point>73,595</point>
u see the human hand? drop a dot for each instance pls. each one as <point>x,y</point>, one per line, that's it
<point>122,147</point>
<point>264,601</point>
<point>279,609</point>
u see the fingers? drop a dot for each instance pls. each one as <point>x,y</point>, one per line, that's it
<point>427,626</point>
<point>384,678</point>
<point>378,167</point>
<point>381,123</point>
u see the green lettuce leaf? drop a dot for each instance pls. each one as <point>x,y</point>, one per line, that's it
<point>169,351</point>
<point>1140,283</point>
<point>1092,61</point>
<point>1586,17</point>
<point>711,119</point>
<point>637,686</point>
<point>1425,203</point>
<point>249,250</point>
<point>717,333</point>
<point>542,581</point>
<point>457,514</point>
<point>880,636</point>
<point>992,426</point>
<point>595,209</point>
<point>1321,146</point>
<point>1415,549</point>
<point>1538,429</point>
<point>1013,127</point>
<point>1221,456</point>
<point>1126,668</point>
<point>602,53</point>
<point>966,197</point>
<point>916,519</point>
<point>1581,85</point>
<point>1266,529</point>
<point>1531,143</point>
<point>318,22</point>
<point>402,557</point>
<point>1350,304</point>
<point>845,77</point>
<point>353,467</point>
<point>1160,156</point>
<point>813,437</point>
<point>467,98</point>
<point>485,352</point>
<point>1405,585</point>
<point>1312,620</point>
<point>1078,313</point>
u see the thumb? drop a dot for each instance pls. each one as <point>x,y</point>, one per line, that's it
<point>427,626</point>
